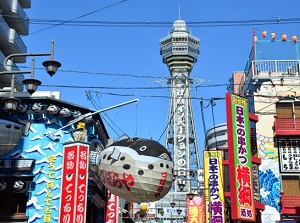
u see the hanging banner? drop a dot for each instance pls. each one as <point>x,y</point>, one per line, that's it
<point>195,209</point>
<point>111,212</point>
<point>239,155</point>
<point>74,183</point>
<point>82,183</point>
<point>213,182</point>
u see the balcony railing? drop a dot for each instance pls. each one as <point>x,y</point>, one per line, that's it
<point>275,68</point>
<point>286,126</point>
<point>290,204</point>
<point>262,69</point>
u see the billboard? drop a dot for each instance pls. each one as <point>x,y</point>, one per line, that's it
<point>239,155</point>
<point>74,183</point>
<point>213,181</point>
<point>195,209</point>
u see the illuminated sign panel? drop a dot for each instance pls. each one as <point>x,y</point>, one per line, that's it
<point>74,183</point>
<point>195,209</point>
<point>214,193</point>
<point>240,165</point>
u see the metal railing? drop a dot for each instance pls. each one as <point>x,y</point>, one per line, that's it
<point>262,69</point>
<point>275,68</point>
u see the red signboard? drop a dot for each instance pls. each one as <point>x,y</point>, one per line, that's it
<point>111,214</point>
<point>74,183</point>
<point>195,209</point>
<point>67,204</point>
<point>82,175</point>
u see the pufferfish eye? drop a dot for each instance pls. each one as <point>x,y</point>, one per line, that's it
<point>140,172</point>
<point>150,167</point>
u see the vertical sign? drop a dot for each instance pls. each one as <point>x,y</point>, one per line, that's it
<point>213,181</point>
<point>195,212</point>
<point>239,151</point>
<point>67,203</point>
<point>82,181</point>
<point>180,158</point>
<point>49,186</point>
<point>111,213</point>
<point>74,183</point>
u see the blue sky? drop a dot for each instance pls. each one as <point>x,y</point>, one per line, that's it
<point>116,62</point>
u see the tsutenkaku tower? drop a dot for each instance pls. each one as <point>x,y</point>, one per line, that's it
<point>180,51</point>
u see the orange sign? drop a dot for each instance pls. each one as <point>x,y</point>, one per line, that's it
<point>195,209</point>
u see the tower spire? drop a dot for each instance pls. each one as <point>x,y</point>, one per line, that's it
<point>180,52</point>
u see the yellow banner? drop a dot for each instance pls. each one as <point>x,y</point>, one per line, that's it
<point>213,181</point>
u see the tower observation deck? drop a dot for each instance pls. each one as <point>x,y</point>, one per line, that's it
<point>180,51</point>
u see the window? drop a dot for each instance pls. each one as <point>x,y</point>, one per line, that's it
<point>284,110</point>
<point>291,185</point>
<point>13,202</point>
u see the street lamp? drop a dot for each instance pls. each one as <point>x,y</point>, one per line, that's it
<point>172,204</point>
<point>181,186</point>
<point>179,211</point>
<point>31,84</point>
<point>161,211</point>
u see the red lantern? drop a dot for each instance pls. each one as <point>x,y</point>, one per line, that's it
<point>294,38</point>
<point>283,37</point>
<point>273,36</point>
<point>264,34</point>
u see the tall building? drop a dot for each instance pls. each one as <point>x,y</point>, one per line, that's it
<point>180,50</point>
<point>14,24</point>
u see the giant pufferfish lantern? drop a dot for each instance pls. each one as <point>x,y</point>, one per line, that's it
<point>136,169</point>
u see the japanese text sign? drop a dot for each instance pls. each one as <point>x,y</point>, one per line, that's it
<point>111,214</point>
<point>195,212</point>
<point>214,193</point>
<point>74,183</point>
<point>239,152</point>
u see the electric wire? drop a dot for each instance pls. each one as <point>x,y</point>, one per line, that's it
<point>203,121</point>
<point>104,116</point>
<point>212,104</point>
<point>172,116</point>
<point>78,17</point>
<point>159,24</point>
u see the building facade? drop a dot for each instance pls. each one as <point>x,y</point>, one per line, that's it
<point>271,84</point>
<point>14,25</point>
<point>40,157</point>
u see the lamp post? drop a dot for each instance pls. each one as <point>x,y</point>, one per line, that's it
<point>31,84</point>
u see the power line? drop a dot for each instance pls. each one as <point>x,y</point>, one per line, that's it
<point>78,17</point>
<point>105,23</point>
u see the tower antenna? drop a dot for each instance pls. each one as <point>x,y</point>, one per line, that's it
<point>179,11</point>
